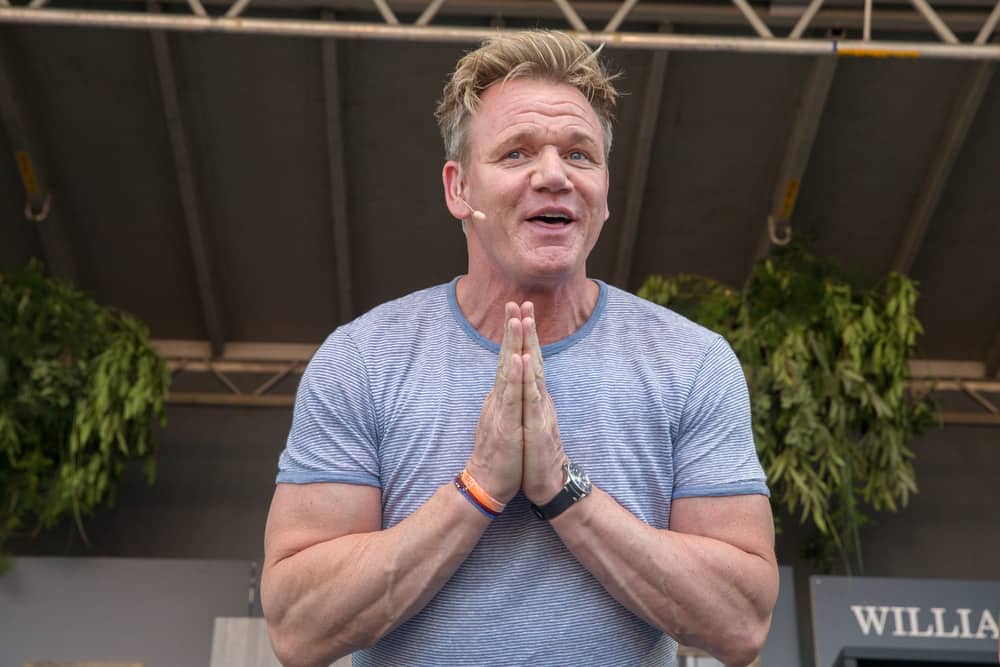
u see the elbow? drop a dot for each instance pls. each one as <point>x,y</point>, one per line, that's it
<point>292,649</point>
<point>743,649</point>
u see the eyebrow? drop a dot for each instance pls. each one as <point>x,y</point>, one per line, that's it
<point>574,137</point>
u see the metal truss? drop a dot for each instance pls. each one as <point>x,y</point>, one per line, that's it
<point>238,361</point>
<point>959,377</point>
<point>779,27</point>
<point>275,362</point>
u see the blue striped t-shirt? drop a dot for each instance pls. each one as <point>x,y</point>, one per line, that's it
<point>651,405</point>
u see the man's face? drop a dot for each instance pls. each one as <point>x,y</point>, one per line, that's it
<point>536,168</point>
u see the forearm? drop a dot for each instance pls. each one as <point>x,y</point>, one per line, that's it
<point>337,596</point>
<point>701,591</point>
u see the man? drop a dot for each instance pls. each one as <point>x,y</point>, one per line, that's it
<point>433,505</point>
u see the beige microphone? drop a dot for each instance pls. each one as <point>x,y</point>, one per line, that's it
<point>476,214</point>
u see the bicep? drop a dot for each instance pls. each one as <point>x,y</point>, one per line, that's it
<point>742,521</point>
<point>304,515</point>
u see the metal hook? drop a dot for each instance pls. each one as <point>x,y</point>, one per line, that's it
<point>772,232</point>
<point>40,216</point>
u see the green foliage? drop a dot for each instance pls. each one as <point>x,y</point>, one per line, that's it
<point>79,390</point>
<point>826,364</point>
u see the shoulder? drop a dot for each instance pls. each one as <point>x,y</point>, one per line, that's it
<point>656,328</point>
<point>395,323</point>
<point>399,316</point>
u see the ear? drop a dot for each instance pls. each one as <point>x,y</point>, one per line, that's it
<point>451,177</point>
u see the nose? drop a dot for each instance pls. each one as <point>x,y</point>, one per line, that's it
<point>550,172</point>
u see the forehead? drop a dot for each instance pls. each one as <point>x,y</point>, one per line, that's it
<point>532,106</point>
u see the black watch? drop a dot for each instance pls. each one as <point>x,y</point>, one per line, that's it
<point>576,487</point>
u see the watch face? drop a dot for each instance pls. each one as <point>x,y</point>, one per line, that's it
<point>577,477</point>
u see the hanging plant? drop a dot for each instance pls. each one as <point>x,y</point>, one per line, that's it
<point>826,365</point>
<point>80,388</point>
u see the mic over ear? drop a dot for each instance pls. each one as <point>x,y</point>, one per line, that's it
<point>476,214</point>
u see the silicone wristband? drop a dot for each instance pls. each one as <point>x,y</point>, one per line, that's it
<point>479,493</point>
<point>475,503</point>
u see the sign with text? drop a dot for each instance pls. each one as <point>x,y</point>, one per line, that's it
<point>924,614</point>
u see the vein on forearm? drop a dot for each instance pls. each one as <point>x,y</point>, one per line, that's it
<point>694,588</point>
<point>351,590</point>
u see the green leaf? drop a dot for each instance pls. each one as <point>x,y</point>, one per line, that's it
<point>78,380</point>
<point>826,363</point>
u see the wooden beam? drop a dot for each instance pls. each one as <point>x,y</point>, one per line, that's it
<point>939,171</point>
<point>40,210</point>
<point>639,172</point>
<point>798,150</point>
<point>187,187</point>
<point>338,178</point>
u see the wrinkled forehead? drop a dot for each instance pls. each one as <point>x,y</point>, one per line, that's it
<point>520,107</point>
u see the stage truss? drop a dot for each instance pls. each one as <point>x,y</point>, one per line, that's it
<point>266,375</point>
<point>792,27</point>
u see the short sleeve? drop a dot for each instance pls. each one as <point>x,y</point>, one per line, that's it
<point>715,453</point>
<point>333,437</point>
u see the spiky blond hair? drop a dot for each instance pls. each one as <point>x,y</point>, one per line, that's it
<point>537,54</point>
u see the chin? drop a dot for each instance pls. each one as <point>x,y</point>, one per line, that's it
<point>559,266</point>
<point>552,274</point>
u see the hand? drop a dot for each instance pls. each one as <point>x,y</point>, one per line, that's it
<point>496,459</point>
<point>542,475</point>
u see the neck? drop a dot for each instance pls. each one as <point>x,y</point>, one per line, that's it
<point>560,308</point>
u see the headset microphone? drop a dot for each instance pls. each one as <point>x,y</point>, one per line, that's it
<point>476,214</point>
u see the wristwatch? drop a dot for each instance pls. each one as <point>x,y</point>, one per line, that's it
<point>576,487</point>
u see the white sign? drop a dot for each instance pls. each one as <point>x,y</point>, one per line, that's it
<point>919,614</point>
<point>919,622</point>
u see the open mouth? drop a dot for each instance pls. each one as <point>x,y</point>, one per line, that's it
<point>554,219</point>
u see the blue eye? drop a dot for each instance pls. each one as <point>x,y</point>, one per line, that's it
<point>577,155</point>
<point>514,155</point>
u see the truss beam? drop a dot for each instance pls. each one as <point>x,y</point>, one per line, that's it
<point>237,8</point>
<point>456,34</point>
<point>835,14</point>
<point>806,19</point>
<point>753,19</point>
<point>620,15</point>
<point>276,362</point>
<point>571,16</point>
<point>989,26</point>
<point>939,26</point>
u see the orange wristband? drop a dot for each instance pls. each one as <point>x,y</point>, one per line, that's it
<point>479,493</point>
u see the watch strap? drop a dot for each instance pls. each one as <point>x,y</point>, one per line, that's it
<point>550,510</point>
<point>567,496</point>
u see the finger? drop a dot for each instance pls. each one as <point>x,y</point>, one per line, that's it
<point>507,345</point>
<point>532,396</point>
<point>532,344</point>
<point>511,399</point>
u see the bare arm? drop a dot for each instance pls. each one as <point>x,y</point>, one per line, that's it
<point>711,581</point>
<point>333,582</point>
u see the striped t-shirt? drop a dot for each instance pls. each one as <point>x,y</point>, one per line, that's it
<point>651,405</point>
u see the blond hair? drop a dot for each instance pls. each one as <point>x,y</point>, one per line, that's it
<point>538,54</point>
